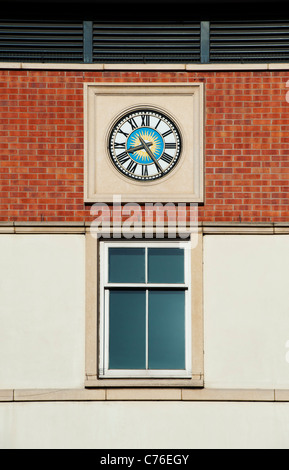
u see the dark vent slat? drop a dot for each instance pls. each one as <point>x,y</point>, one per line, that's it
<point>34,41</point>
<point>249,41</point>
<point>146,42</point>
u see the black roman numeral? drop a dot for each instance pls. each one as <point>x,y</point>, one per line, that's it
<point>158,123</point>
<point>123,133</point>
<point>173,145</point>
<point>132,166</point>
<point>144,170</point>
<point>119,145</point>
<point>145,120</point>
<point>166,158</point>
<point>123,157</point>
<point>132,123</point>
<point>167,133</point>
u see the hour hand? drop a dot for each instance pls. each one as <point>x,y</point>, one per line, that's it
<point>150,153</point>
<point>139,147</point>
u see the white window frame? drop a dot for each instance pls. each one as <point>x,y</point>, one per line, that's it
<point>104,371</point>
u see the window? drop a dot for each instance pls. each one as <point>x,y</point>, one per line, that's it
<point>145,314</point>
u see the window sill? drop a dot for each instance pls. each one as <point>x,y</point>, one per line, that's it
<point>195,381</point>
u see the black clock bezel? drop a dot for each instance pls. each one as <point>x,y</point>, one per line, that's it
<point>129,115</point>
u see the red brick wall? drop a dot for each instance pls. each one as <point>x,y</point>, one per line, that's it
<point>41,145</point>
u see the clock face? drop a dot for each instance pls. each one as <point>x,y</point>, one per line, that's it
<point>145,145</point>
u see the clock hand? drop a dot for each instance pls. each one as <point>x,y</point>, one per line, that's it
<point>139,147</point>
<point>148,150</point>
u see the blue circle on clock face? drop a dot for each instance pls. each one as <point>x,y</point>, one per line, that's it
<point>154,141</point>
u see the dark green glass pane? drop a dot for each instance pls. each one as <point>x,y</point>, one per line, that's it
<point>166,330</point>
<point>127,265</point>
<point>166,266</point>
<point>127,329</point>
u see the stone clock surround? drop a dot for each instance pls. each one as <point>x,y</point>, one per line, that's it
<point>105,103</point>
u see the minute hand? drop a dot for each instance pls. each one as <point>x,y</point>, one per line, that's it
<point>139,147</point>
<point>150,153</point>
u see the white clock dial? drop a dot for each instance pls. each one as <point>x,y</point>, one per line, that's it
<point>145,145</point>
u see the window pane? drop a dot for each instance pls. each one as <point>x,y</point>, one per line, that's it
<point>166,266</point>
<point>166,330</point>
<point>127,265</point>
<point>127,329</point>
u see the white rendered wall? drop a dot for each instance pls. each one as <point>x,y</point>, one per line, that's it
<point>246,305</point>
<point>144,425</point>
<point>42,311</point>
<point>42,345</point>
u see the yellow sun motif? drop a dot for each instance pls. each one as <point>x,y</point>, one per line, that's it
<point>148,136</point>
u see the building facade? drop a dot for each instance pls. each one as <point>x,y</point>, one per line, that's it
<point>144,229</point>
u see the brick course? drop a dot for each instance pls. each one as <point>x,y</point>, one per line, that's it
<point>246,138</point>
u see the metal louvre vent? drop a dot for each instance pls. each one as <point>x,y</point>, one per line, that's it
<point>37,41</point>
<point>146,42</point>
<point>249,41</point>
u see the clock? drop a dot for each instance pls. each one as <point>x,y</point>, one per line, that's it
<point>145,145</point>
